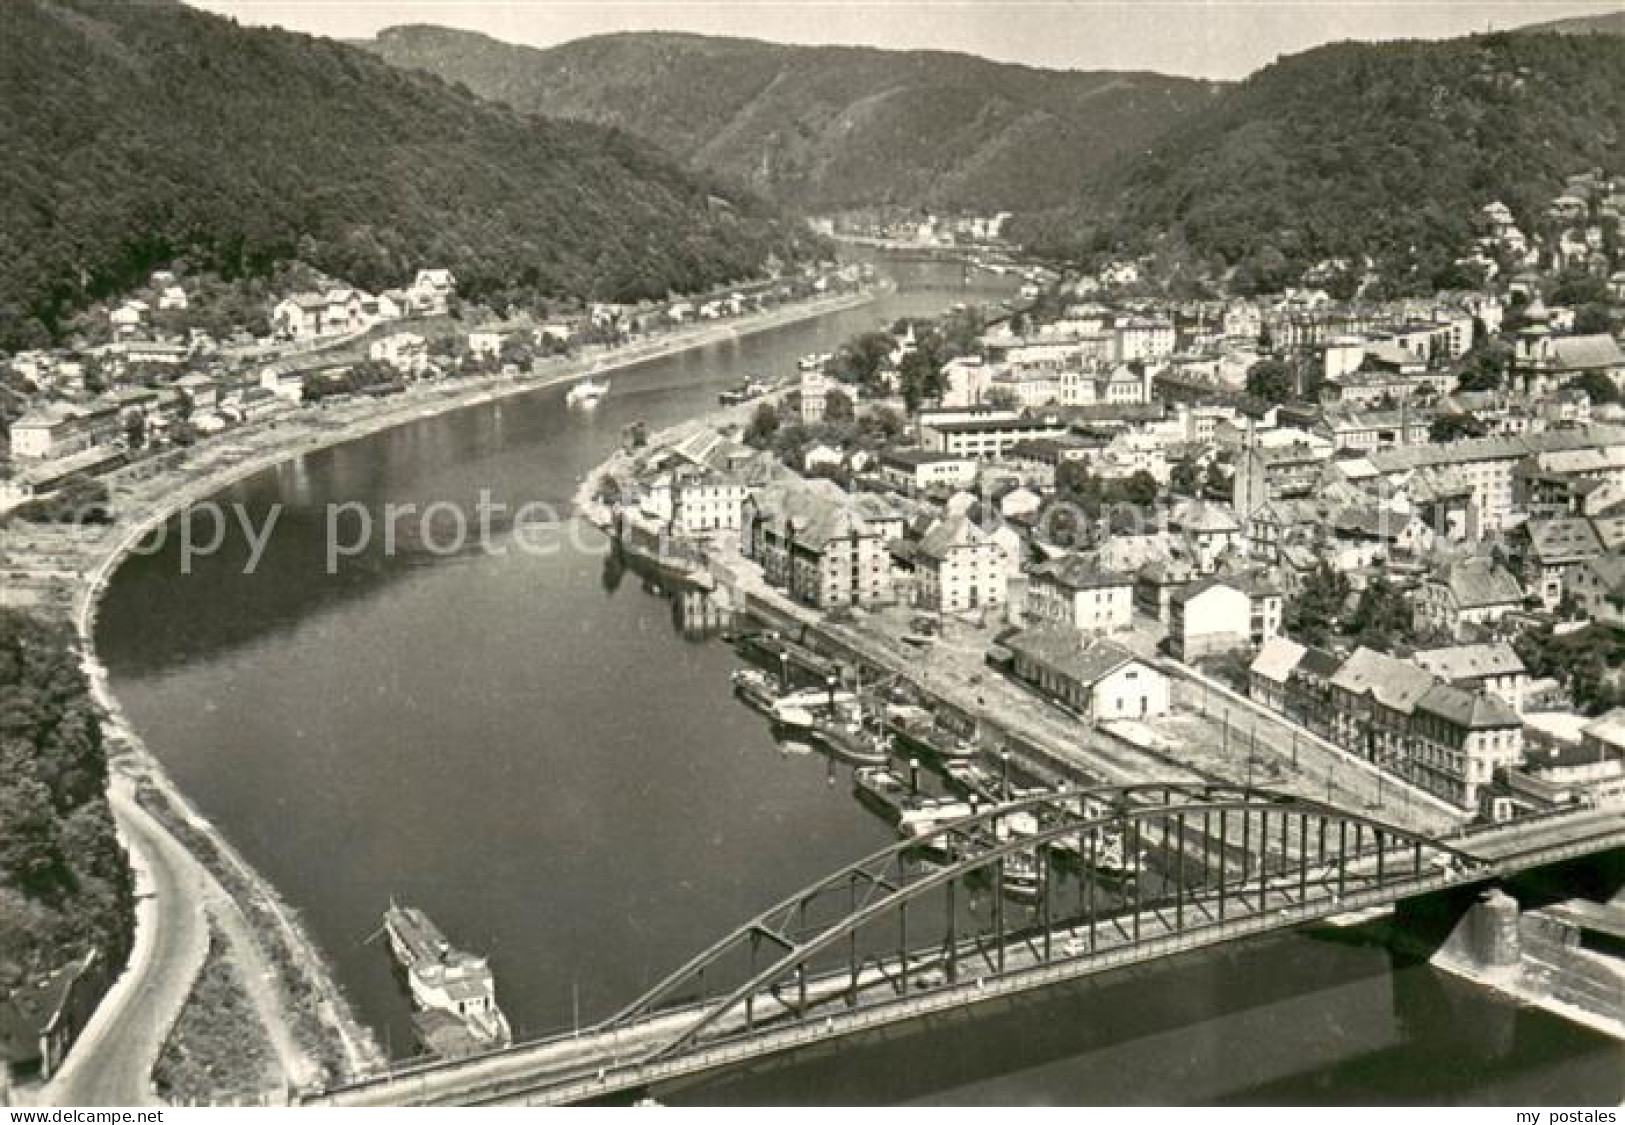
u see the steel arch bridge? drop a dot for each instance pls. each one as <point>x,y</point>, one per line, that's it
<point>1062,875</point>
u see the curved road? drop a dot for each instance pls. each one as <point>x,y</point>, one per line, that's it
<point>111,1064</point>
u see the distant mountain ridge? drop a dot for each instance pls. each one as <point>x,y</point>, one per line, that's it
<point>136,134</point>
<point>1356,149</point>
<point>1608,23</point>
<point>827,127</point>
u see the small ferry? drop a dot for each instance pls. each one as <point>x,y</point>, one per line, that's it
<point>851,740</point>
<point>920,733</point>
<point>883,789</point>
<point>791,717</point>
<point>1021,876</point>
<point>924,815</point>
<point>454,991</point>
<point>756,688</point>
<point>752,388</point>
<point>587,392</point>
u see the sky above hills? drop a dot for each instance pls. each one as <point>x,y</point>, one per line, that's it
<point>1222,39</point>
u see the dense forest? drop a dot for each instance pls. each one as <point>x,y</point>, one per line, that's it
<point>827,127</point>
<point>138,134</point>
<point>65,884</point>
<point>1386,150</point>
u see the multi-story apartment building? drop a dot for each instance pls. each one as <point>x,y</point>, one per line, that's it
<point>1073,592</point>
<point>817,545</point>
<point>958,567</point>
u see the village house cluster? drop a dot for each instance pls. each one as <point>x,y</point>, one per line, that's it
<point>1105,493</point>
<point>93,409</point>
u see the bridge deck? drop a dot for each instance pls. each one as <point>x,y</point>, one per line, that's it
<point>889,989</point>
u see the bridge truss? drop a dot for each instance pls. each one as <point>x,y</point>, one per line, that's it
<point>1064,875</point>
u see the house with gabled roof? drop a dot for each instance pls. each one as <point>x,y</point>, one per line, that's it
<point>1074,592</point>
<point>1474,591</point>
<point>1223,613</point>
<point>1099,679</point>
<point>810,539</point>
<point>1494,669</point>
<point>1548,550</point>
<point>1598,586</point>
<point>959,568</point>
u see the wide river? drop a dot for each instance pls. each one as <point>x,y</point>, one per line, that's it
<point>548,759</point>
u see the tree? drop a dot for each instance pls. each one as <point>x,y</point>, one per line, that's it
<point>1270,380</point>
<point>882,424</point>
<point>1141,489</point>
<point>1454,427</point>
<point>1599,388</point>
<point>1382,617</point>
<point>135,430</point>
<point>65,886</point>
<point>1312,616</point>
<point>764,423</point>
<point>838,408</point>
<point>1188,477</point>
<point>861,359</point>
<point>1592,320</point>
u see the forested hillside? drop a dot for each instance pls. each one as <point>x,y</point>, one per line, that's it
<point>65,884</point>
<point>134,134</point>
<point>1386,150</point>
<point>827,127</point>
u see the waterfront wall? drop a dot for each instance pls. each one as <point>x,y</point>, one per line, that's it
<point>1537,957</point>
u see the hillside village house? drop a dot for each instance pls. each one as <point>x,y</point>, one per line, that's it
<point>1222,614</point>
<point>306,316</point>
<point>200,390</point>
<point>959,568</point>
<point>485,343</point>
<point>431,292</point>
<point>1101,680</point>
<point>1071,591</point>
<point>128,317</point>
<point>406,352</point>
<point>59,430</point>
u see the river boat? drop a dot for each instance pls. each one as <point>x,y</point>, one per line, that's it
<point>926,814</point>
<point>756,688</point>
<point>790,717</point>
<point>587,393</point>
<point>917,732</point>
<point>453,991</point>
<point>884,790</point>
<point>852,741</point>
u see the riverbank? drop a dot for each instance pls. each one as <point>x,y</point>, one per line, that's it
<point>67,569</point>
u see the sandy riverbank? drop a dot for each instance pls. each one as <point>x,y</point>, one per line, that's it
<point>69,569</point>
